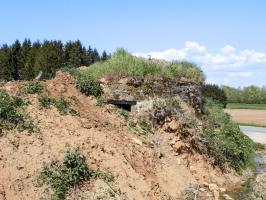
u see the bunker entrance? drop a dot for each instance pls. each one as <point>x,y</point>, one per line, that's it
<point>126,105</point>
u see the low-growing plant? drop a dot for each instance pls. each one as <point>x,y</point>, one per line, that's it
<point>88,85</point>
<point>141,127</point>
<point>33,87</point>
<point>124,113</point>
<point>45,101</point>
<point>11,114</point>
<point>62,105</point>
<point>224,140</point>
<point>68,174</point>
<point>100,101</point>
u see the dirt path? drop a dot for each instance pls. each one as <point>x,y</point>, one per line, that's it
<point>248,116</point>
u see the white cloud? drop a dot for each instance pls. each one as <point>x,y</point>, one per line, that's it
<point>225,66</point>
<point>240,74</point>
<point>226,58</point>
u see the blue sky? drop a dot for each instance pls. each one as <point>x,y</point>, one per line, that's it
<point>227,39</point>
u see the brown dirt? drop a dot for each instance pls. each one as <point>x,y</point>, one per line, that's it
<point>248,116</point>
<point>102,136</point>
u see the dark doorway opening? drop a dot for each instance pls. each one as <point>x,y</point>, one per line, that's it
<point>126,105</point>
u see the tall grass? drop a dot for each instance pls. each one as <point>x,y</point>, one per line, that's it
<point>123,64</point>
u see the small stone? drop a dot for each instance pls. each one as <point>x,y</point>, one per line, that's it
<point>213,187</point>
<point>137,141</point>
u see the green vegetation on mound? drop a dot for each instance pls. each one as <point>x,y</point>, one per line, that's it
<point>123,64</point>
<point>246,106</point>
<point>11,114</point>
<point>70,173</point>
<point>224,139</point>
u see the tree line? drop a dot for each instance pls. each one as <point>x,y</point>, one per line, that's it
<point>23,61</point>
<point>249,95</point>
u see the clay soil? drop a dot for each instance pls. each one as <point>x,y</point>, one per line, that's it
<point>145,168</point>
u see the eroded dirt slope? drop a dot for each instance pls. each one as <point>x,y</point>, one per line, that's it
<point>143,167</point>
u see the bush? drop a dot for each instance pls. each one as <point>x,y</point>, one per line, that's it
<point>62,105</point>
<point>33,87</point>
<point>45,101</point>
<point>214,92</point>
<point>88,85</point>
<point>10,113</point>
<point>123,113</point>
<point>225,142</point>
<point>70,173</point>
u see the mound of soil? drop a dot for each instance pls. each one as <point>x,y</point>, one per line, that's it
<point>144,167</point>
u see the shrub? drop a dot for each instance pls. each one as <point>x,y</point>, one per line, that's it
<point>10,113</point>
<point>214,92</point>
<point>45,101</point>
<point>33,87</point>
<point>88,85</point>
<point>70,173</point>
<point>225,142</point>
<point>62,105</point>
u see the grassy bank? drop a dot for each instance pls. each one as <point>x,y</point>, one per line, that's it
<point>246,106</point>
<point>123,64</point>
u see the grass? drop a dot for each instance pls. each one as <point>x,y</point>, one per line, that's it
<point>123,64</point>
<point>225,141</point>
<point>252,124</point>
<point>141,127</point>
<point>246,106</point>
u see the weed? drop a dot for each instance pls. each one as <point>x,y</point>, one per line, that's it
<point>88,85</point>
<point>224,140</point>
<point>11,115</point>
<point>123,113</point>
<point>45,101</point>
<point>100,101</point>
<point>62,105</point>
<point>32,87</point>
<point>68,174</point>
<point>141,127</point>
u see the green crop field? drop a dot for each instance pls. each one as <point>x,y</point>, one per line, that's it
<point>246,106</point>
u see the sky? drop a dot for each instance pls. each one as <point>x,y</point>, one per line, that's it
<point>226,38</point>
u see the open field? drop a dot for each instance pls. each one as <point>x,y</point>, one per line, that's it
<point>246,106</point>
<point>248,116</point>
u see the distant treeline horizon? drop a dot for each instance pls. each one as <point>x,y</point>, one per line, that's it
<point>24,60</point>
<point>249,95</point>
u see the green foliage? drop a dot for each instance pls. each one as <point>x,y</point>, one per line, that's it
<point>69,173</point>
<point>33,87</point>
<point>141,127</point>
<point>88,85</point>
<point>247,95</point>
<point>11,115</point>
<point>214,92</point>
<point>123,64</point>
<point>100,101</point>
<point>224,140</point>
<point>123,113</point>
<point>45,101</point>
<point>62,105</point>
<point>246,106</point>
<point>85,82</point>
<point>24,62</point>
<point>63,176</point>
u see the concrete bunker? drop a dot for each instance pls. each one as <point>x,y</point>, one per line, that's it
<point>125,104</point>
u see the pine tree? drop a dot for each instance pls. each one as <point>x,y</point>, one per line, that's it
<point>16,60</point>
<point>104,56</point>
<point>5,70</point>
